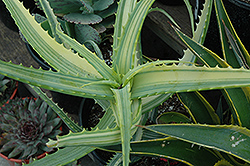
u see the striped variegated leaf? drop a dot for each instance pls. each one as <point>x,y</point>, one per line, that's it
<point>124,54</point>
<point>163,79</point>
<point>52,52</point>
<point>65,83</point>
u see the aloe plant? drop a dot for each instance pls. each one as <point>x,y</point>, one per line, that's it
<point>127,90</point>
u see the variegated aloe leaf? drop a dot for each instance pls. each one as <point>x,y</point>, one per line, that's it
<point>172,78</point>
<point>239,98</point>
<point>230,139</point>
<point>124,53</point>
<point>88,138</point>
<point>199,108</point>
<point>201,30</point>
<point>206,56</point>
<point>63,156</point>
<point>55,54</point>
<point>226,29</point>
<point>52,20</point>
<point>171,148</point>
<point>100,65</point>
<point>124,118</point>
<point>71,125</point>
<point>57,81</point>
<point>124,8</point>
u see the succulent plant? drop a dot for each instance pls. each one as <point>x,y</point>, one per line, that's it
<point>27,124</point>
<point>85,20</point>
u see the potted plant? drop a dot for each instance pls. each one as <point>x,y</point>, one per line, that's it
<point>26,125</point>
<point>127,91</point>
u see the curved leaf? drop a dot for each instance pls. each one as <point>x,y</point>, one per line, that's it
<point>55,54</point>
<point>228,53</point>
<point>172,117</point>
<point>199,108</point>
<point>201,30</point>
<point>172,149</point>
<point>124,54</point>
<point>230,139</point>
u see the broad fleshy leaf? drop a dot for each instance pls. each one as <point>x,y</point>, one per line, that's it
<point>168,79</point>
<point>231,139</point>
<point>124,53</point>
<point>199,108</point>
<point>79,18</point>
<point>171,149</point>
<point>57,81</point>
<point>224,26</point>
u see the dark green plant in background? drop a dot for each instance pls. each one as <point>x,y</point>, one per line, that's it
<point>85,20</point>
<point>7,87</point>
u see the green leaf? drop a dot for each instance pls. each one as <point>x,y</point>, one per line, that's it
<point>79,18</point>
<point>201,30</point>
<point>87,6</point>
<point>85,33</point>
<point>171,149</point>
<point>206,56</point>
<point>199,108</point>
<point>64,6</point>
<point>227,52</point>
<point>102,5</point>
<point>239,102</point>
<point>109,11</point>
<point>175,117</point>
<point>170,79</point>
<point>230,139</point>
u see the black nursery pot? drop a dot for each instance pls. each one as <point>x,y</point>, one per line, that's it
<point>44,65</point>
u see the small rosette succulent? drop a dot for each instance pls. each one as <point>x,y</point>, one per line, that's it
<point>26,125</point>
